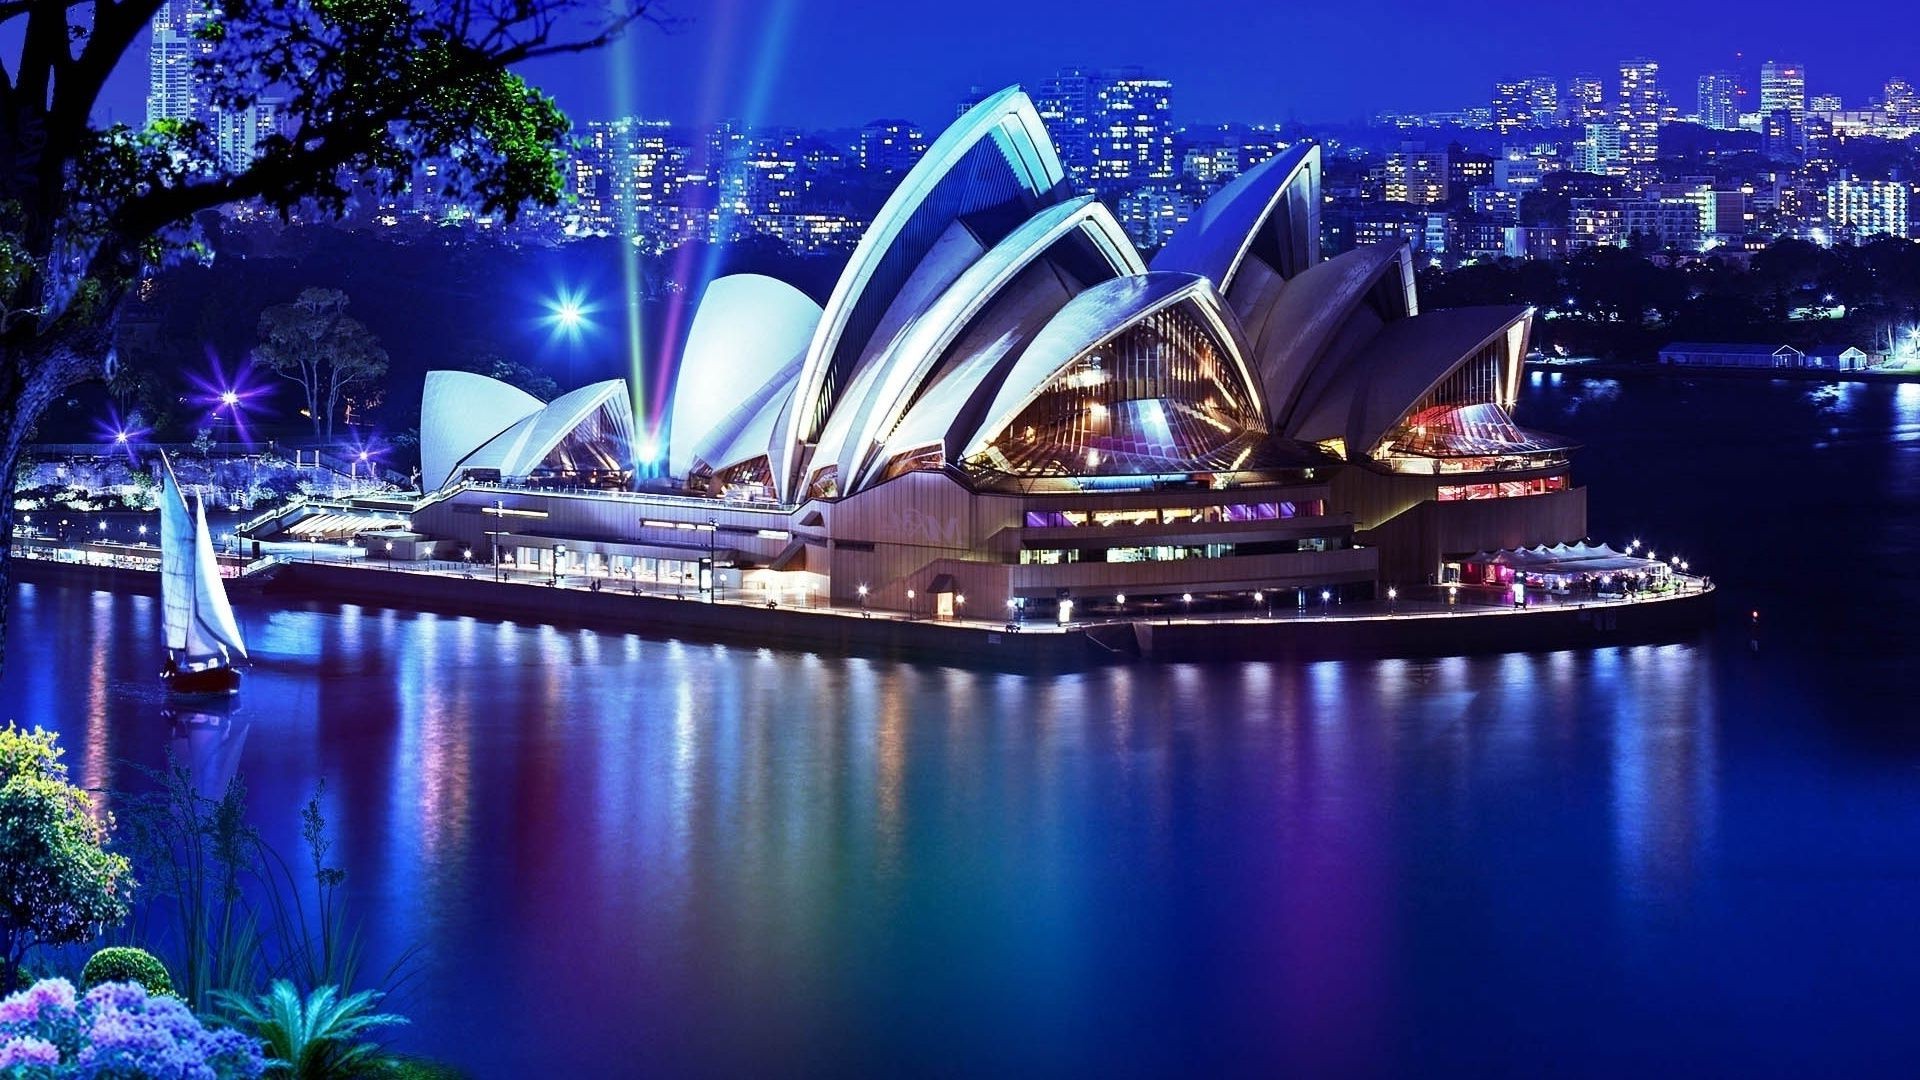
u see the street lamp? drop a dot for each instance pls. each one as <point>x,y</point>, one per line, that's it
<point>1326,598</point>
<point>862,590</point>
<point>1186,604</point>
<point>713,567</point>
<point>1392,595</point>
<point>909,603</point>
<point>1453,593</point>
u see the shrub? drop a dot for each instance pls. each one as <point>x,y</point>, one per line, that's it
<point>116,1030</point>
<point>318,1038</point>
<point>120,963</point>
<point>58,883</point>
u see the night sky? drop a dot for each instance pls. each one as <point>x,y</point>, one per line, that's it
<point>834,63</point>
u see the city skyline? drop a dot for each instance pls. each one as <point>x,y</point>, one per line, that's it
<point>760,61</point>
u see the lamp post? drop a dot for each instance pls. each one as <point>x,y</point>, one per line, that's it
<point>1392,595</point>
<point>862,590</point>
<point>909,603</point>
<point>1326,605</point>
<point>1453,593</point>
<point>1186,605</point>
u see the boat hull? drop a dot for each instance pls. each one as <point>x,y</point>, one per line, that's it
<point>204,682</point>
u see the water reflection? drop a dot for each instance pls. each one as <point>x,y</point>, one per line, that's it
<point>206,742</point>
<point>762,857</point>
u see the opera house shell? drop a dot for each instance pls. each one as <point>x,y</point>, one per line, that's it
<point>1000,395</point>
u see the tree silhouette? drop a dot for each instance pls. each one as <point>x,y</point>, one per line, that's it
<point>314,343</point>
<point>367,92</point>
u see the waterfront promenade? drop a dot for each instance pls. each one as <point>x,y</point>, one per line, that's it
<point>1436,620</point>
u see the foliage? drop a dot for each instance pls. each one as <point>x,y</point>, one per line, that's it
<point>1625,304</point>
<point>315,344</point>
<point>116,1030</point>
<point>235,913</point>
<point>319,1037</point>
<point>123,963</point>
<point>367,91</point>
<point>58,883</point>
<point>516,374</point>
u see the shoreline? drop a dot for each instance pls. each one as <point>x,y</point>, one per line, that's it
<point>1471,630</point>
<point>1614,369</point>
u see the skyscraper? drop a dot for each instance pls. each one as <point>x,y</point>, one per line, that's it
<point>1902,102</point>
<point>1113,128</point>
<point>1720,100</point>
<point>1066,103</point>
<point>1512,109</point>
<point>1133,136</point>
<point>1638,111</point>
<point>1587,98</point>
<point>173,91</point>
<point>1417,177</point>
<point>176,91</point>
<point>1783,86</point>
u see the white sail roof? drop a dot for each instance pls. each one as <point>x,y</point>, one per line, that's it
<point>1094,316</point>
<point>459,405</point>
<point>748,331</point>
<point>948,183</point>
<point>1279,196</point>
<point>459,412</point>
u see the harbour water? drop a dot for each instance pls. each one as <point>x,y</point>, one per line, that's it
<point>621,854</point>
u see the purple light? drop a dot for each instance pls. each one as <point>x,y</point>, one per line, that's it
<point>227,397</point>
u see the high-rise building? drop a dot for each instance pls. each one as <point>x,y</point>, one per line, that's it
<point>173,88</point>
<point>176,90</point>
<point>1902,103</point>
<point>1066,102</point>
<point>1531,102</point>
<point>1133,133</point>
<point>1417,177</point>
<point>1599,152</point>
<point>1783,86</point>
<point>1587,99</point>
<point>1638,112</point>
<point>1512,108</point>
<point>1543,96</point>
<point>891,146</point>
<point>1859,209</point>
<point>1720,100</point>
<point>1114,129</point>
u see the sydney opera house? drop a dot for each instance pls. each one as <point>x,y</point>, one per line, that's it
<point>1003,403</point>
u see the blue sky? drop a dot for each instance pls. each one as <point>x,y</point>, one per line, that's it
<point>827,63</point>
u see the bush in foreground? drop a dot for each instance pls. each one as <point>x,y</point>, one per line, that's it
<point>116,1030</point>
<point>120,963</point>
<point>58,883</point>
<point>316,1038</point>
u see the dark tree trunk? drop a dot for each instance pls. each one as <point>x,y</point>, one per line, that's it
<point>32,376</point>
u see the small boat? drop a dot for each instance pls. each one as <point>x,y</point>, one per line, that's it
<point>203,639</point>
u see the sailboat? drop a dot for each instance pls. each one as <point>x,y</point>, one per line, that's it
<point>203,640</point>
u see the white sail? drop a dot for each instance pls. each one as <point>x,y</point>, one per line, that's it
<point>212,615</point>
<point>176,561</point>
<point>199,623</point>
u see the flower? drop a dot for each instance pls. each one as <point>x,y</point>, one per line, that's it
<point>118,1030</point>
<point>30,1005</point>
<point>27,1050</point>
